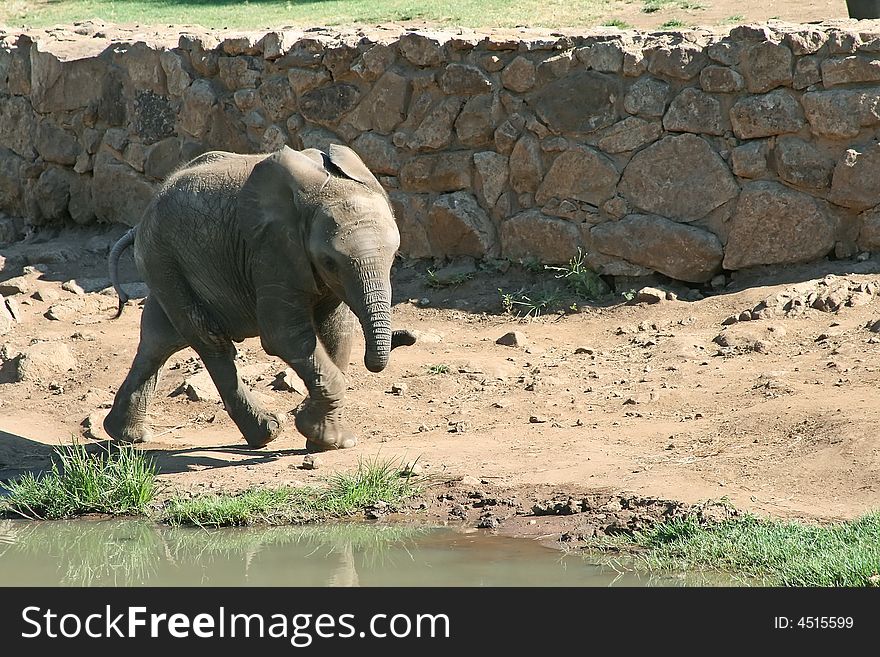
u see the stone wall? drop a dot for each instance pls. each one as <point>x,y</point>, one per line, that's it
<point>680,153</point>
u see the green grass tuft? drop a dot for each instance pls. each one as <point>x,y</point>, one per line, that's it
<point>652,6</point>
<point>440,368</point>
<point>117,482</point>
<point>371,483</point>
<point>767,552</point>
<point>618,23</point>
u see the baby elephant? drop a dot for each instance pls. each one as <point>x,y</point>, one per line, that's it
<point>284,246</point>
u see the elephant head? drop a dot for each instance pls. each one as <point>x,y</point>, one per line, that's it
<point>335,227</point>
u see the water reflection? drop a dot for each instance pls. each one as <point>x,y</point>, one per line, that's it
<point>133,553</point>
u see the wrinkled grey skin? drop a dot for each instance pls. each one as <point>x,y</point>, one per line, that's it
<point>284,246</point>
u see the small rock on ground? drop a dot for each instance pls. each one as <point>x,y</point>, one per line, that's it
<point>512,339</point>
<point>72,286</point>
<point>311,462</point>
<point>650,295</point>
<point>93,426</point>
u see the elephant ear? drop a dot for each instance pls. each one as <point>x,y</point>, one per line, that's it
<point>275,207</point>
<point>351,166</point>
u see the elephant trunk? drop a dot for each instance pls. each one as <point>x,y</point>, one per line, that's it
<point>372,305</point>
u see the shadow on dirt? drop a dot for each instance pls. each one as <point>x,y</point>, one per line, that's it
<point>173,461</point>
<point>19,455</point>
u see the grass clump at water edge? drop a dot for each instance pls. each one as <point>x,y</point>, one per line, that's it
<point>373,483</point>
<point>762,551</point>
<point>121,481</point>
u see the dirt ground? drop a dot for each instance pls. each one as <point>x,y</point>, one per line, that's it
<point>630,401</point>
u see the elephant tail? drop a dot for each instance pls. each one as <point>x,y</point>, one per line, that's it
<point>113,264</point>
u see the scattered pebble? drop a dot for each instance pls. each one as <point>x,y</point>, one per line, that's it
<point>46,294</point>
<point>311,462</point>
<point>512,339</point>
<point>399,388</point>
<point>650,295</point>
<point>72,286</point>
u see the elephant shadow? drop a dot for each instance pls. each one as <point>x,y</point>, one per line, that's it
<point>187,459</point>
<point>20,456</point>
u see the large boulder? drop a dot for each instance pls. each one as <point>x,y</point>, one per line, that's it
<point>410,211</point>
<point>457,225</point>
<point>579,103</point>
<point>532,234</point>
<point>17,125</point>
<point>326,105</point>
<point>526,164</point>
<point>695,111</point>
<point>491,172</point>
<point>683,252</point>
<point>378,153</point>
<point>800,163</point>
<point>43,361</point>
<point>437,172</point>
<point>855,183</point>
<point>775,113</point>
<point>679,177</point>
<point>630,134</point>
<point>384,107</point>
<point>478,119</point>
<point>119,193</point>
<point>774,225</point>
<point>580,173</point>
<point>766,65</point>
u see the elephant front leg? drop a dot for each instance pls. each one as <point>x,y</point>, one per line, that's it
<point>319,416</point>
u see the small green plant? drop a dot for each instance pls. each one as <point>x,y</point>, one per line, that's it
<point>117,482</point>
<point>673,23</point>
<point>629,295</point>
<point>737,18</point>
<point>652,6</point>
<point>532,304</point>
<point>532,264</point>
<point>436,282</point>
<point>582,280</point>
<point>440,368</point>
<point>618,23</point>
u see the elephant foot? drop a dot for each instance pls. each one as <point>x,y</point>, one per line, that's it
<point>322,427</point>
<point>262,429</point>
<point>126,432</point>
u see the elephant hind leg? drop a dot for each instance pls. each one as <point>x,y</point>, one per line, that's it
<point>206,336</point>
<point>158,342</point>
<point>258,427</point>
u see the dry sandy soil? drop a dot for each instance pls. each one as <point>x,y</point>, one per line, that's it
<point>656,401</point>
